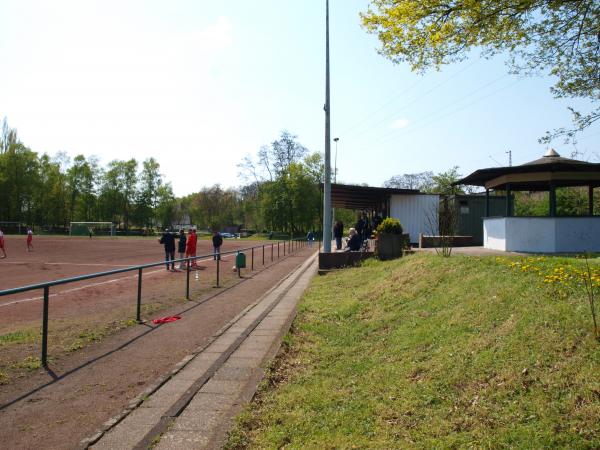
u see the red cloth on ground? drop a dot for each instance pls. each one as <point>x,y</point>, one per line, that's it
<point>166,319</point>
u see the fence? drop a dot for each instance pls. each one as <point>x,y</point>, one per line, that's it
<point>277,250</point>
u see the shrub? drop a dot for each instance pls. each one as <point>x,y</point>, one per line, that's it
<point>389,226</point>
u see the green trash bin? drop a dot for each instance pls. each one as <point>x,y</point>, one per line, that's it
<point>240,260</point>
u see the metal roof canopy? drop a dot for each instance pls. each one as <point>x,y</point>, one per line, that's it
<point>538,175</point>
<point>364,197</point>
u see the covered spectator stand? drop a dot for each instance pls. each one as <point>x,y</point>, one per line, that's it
<point>549,234</point>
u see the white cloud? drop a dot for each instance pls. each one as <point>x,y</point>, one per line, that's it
<point>400,123</point>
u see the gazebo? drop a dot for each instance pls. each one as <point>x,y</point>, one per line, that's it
<point>549,234</point>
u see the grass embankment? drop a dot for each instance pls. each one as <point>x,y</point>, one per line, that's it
<point>427,352</point>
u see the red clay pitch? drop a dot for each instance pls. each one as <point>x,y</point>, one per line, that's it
<point>63,257</point>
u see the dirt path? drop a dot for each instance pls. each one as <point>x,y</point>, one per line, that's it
<point>58,408</point>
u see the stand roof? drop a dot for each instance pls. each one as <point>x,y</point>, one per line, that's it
<point>363,197</point>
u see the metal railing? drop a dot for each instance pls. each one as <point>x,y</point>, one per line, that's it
<point>285,247</point>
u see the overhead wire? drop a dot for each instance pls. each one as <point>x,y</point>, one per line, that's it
<point>450,104</point>
<point>462,107</point>
<point>418,98</point>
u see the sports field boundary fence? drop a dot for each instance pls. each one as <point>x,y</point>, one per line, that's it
<point>276,250</point>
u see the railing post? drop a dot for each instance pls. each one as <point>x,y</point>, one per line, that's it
<point>278,250</point>
<point>138,315</point>
<point>252,263</point>
<point>218,269</point>
<point>187,280</point>
<point>45,327</point>
<point>284,247</point>
<point>272,246</point>
<point>263,255</point>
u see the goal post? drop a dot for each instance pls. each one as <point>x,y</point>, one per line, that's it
<point>91,229</point>
<point>11,227</point>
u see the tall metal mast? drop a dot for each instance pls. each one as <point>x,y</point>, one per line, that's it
<point>327,181</point>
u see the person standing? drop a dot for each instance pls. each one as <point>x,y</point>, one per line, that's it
<point>310,237</point>
<point>29,240</point>
<point>168,240</point>
<point>338,233</point>
<point>190,247</point>
<point>2,244</point>
<point>217,241</point>
<point>181,247</point>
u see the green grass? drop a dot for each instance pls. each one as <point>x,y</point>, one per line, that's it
<point>430,352</point>
<point>19,337</point>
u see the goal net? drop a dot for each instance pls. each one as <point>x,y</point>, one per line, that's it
<point>91,229</point>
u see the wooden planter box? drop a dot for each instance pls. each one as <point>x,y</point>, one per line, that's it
<point>389,246</point>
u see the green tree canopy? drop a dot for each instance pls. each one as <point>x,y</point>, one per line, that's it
<point>559,37</point>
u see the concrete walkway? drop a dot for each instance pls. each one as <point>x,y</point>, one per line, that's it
<point>194,408</point>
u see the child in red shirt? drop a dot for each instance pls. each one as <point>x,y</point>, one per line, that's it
<point>2,244</point>
<point>190,247</point>
<point>29,240</point>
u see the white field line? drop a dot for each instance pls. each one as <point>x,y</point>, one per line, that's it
<point>66,291</point>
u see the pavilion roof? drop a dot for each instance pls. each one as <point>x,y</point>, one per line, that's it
<point>538,174</point>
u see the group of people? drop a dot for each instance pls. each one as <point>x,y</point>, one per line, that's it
<point>363,229</point>
<point>186,247</point>
<point>29,242</point>
<point>354,240</point>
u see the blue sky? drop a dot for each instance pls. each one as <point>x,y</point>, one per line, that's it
<point>200,84</point>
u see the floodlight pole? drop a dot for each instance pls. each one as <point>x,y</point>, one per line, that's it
<point>327,181</point>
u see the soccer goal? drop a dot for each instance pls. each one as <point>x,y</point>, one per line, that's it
<point>11,227</point>
<point>91,229</point>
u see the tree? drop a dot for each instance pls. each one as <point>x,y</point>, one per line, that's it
<point>148,193</point>
<point>273,159</point>
<point>166,205</point>
<point>286,184</point>
<point>19,176</point>
<point>427,182</point>
<point>443,182</point>
<point>559,37</point>
<point>422,181</point>
<point>81,178</point>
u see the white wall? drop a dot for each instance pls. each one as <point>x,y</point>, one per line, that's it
<point>542,234</point>
<point>414,212</point>
<point>494,233</point>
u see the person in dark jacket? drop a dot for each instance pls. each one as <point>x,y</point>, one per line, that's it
<point>338,233</point>
<point>360,227</point>
<point>181,247</point>
<point>354,241</point>
<point>217,241</point>
<point>168,240</point>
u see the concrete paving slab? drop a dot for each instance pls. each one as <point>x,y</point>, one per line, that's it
<point>236,361</point>
<point>182,440</point>
<point>165,398</point>
<point>233,373</point>
<point>219,347</point>
<point>199,420</point>
<point>203,401</point>
<point>224,387</point>
<point>126,434</point>
<point>197,367</point>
